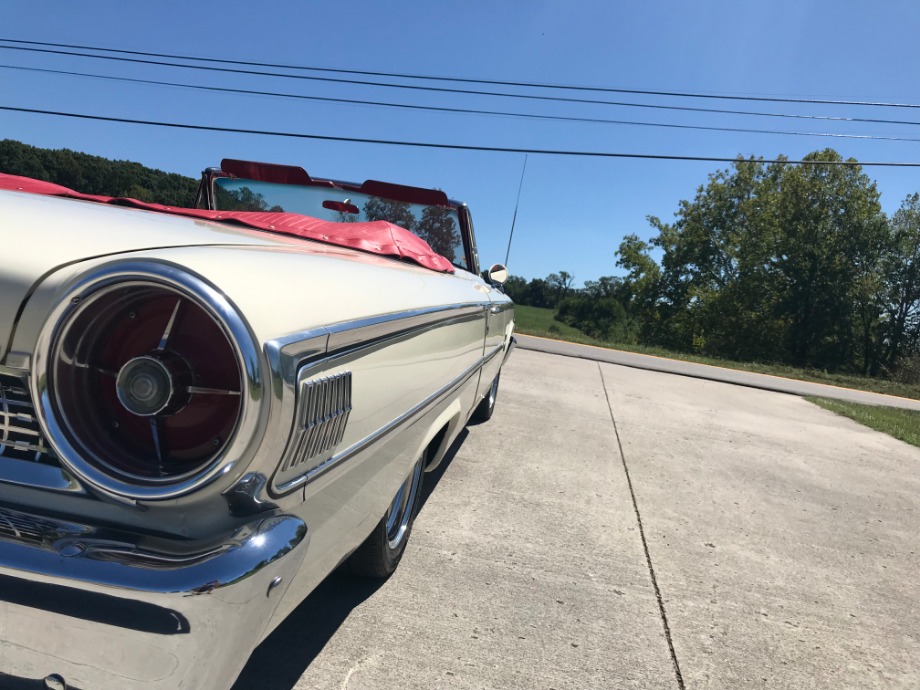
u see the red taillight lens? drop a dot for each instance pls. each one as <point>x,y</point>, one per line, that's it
<point>146,382</point>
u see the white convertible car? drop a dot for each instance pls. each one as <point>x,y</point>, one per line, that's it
<point>203,412</point>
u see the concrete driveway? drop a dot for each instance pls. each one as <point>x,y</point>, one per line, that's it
<point>613,527</point>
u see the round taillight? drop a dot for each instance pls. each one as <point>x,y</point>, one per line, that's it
<point>146,386</point>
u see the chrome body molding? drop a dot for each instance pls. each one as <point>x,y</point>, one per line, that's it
<point>381,433</point>
<point>301,355</point>
<point>501,307</point>
<point>143,273</point>
<point>155,618</point>
<point>286,354</point>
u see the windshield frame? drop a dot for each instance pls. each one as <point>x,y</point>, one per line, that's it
<point>207,198</point>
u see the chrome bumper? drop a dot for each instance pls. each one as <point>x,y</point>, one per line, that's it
<point>107,614</point>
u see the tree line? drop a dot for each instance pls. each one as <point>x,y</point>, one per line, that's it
<point>790,264</point>
<point>97,175</point>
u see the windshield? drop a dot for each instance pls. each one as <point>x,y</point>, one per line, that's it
<point>439,226</point>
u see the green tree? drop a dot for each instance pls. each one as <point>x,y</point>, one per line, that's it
<point>559,284</point>
<point>396,212</point>
<point>439,229</point>
<point>242,199</point>
<point>516,288</point>
<point>96,175</point>
<point>770,262</point>
<point>603,318</point>
<point>901,271</point>
<point>639,290</point>
<point>829,234</point>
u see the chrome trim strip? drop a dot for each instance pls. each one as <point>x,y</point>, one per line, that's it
<point>194,287</point>
<point>387,429</point>
<point>365,331</point>
<point>287,352</point>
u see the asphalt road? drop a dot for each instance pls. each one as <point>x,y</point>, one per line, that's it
<point>613,527</point>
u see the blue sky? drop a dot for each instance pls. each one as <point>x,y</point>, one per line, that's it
<point>573,211</point>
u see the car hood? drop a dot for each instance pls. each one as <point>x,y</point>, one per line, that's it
<point>43,235</point>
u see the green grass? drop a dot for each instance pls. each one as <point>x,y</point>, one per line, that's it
<point>902,424</point>
<point>540,322</point>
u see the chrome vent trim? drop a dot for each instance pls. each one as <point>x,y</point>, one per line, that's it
<point>21,437</point>
<point>323,406</point>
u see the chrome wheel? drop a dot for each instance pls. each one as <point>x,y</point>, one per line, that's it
<point>381,552</point>
<point>483,411</point>
<point>400,513</point>
<point>493,394</point>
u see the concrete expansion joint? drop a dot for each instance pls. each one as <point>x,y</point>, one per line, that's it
<point>648,556</point>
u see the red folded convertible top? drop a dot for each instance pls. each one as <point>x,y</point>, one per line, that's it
<point>376,237</point>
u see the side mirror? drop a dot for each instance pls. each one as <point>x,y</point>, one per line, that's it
<point>498,274</point>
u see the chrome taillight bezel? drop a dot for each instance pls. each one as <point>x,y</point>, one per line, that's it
<point>65,441</point>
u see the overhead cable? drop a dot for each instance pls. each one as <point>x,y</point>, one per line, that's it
<point>455,147</point>
<point>464,111</point>
<point>467,80</point>
<point>478,111</point>
<point>407,87</point>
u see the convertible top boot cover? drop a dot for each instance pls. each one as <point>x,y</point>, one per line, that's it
<point>375,237</point>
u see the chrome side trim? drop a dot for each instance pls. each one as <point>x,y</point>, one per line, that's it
<point>288,354</point>
<point>366,331</point>
<point>196,288</point>
<point>285,354</point>
<point>389,428</point>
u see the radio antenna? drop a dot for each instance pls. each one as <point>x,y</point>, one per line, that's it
<point>516,204</point>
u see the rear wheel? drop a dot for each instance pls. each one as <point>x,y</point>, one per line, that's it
<point>483,413</point>
<point>381,552</point>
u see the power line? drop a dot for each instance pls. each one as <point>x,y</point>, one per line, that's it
<point>476,111</point>
<point>455,147</point>
<point>441,89</point>
<point>465,80</point>
<point>464,111</point>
